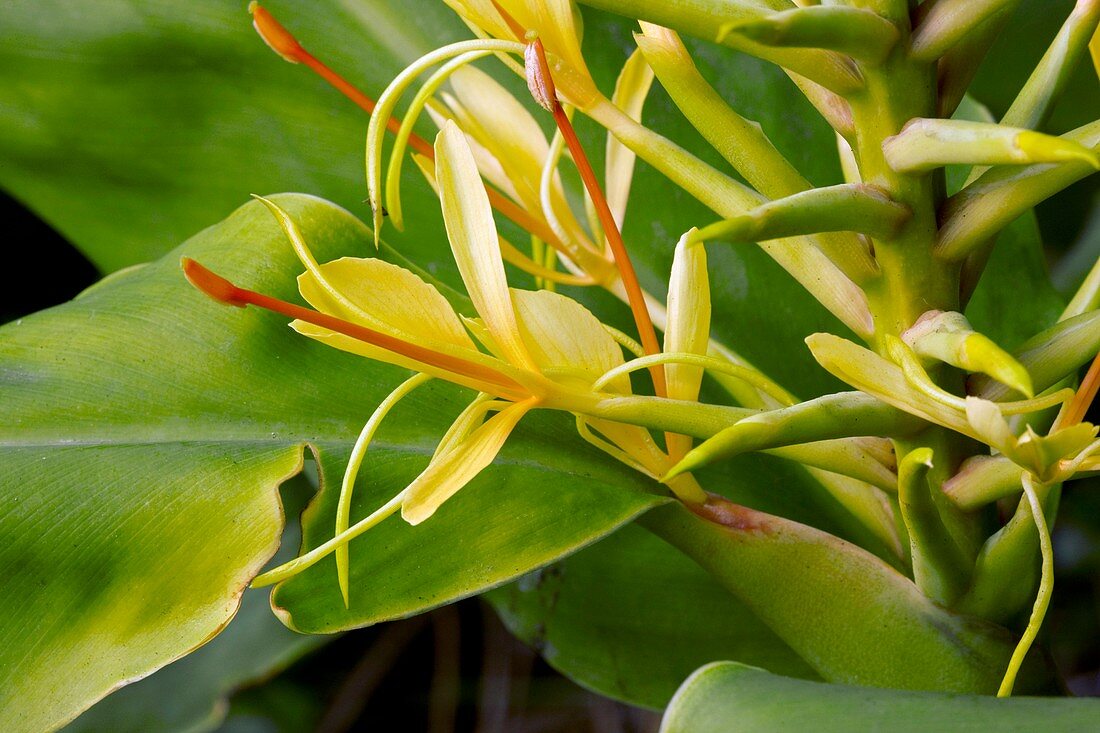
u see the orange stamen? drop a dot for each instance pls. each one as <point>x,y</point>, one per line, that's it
<point>286,45</point>
<point>540,79</point>
<point>519,31</point>
<point>1086,393</point>
<point>224,291</point>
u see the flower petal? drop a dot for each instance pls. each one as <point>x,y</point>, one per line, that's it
<point>504,127</point>
<point>990,425</point>
<point>490,168</point>
<point>387,298</point>
<point>482,14</point>
<point>688,329</point>
<point>449,472</point>
<point>473,236</point>
<point>867,371</point>
<point>562,334</point>
<point>558,24</point>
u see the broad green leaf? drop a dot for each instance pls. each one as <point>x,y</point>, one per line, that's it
<point>727,696</point>
<point>630,619</point>
<point>131,125</point>
<point>191,694</point>
<point>140,466</point>
<point>542,499</point>
<point>120,555</point>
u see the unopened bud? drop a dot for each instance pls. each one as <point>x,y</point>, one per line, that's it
<point>539,80</point>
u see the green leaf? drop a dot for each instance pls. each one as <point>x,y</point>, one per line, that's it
<point>545,496</point>
<point>1016,266</point>
<point>140,465</point>
<point>131,125</point>
<point>144,563</point>
<point>630,619</point>
<point>191,693</point>
<point>728,696</point>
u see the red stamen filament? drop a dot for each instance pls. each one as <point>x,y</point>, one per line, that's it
<point>1086,393</point>
<point>286,45</point>
<point>223,291</point>
<point>647,334</point>
<point>513,24</point>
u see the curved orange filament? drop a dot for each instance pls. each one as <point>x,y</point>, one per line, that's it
<point>286,45</point>
<point>224,291</point>
<point>1086,393</point>
<point>513,24</point>
<point>646,333</point>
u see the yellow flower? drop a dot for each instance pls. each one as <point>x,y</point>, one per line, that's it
<point>556,22</point>
<point>543,348</point>
<point>537,349</point>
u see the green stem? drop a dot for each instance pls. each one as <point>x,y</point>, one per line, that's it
<point>913,279</point>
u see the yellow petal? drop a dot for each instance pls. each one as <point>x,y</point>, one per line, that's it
<point>482,14</point>
<point>469,420</point>
<point>450,471</point>
<point>387,298</point>
<point>561,334</point>
<point>490,168</point>
<point>688,329</point>
<point>504,127</point>
<point>631,90</point>
<point>492,171</point>
<point>473,237</point>
<point>867,371</point>
<point>558,24</point>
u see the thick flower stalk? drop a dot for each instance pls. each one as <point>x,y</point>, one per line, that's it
<point>941,422</point>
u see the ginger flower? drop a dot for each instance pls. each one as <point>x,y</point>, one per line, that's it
<point>528,349</point>
<point>521,169</point>
<point>514,156</point>
<point>556,22</point>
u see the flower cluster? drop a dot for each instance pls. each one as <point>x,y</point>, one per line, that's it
<point>887,252</point>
